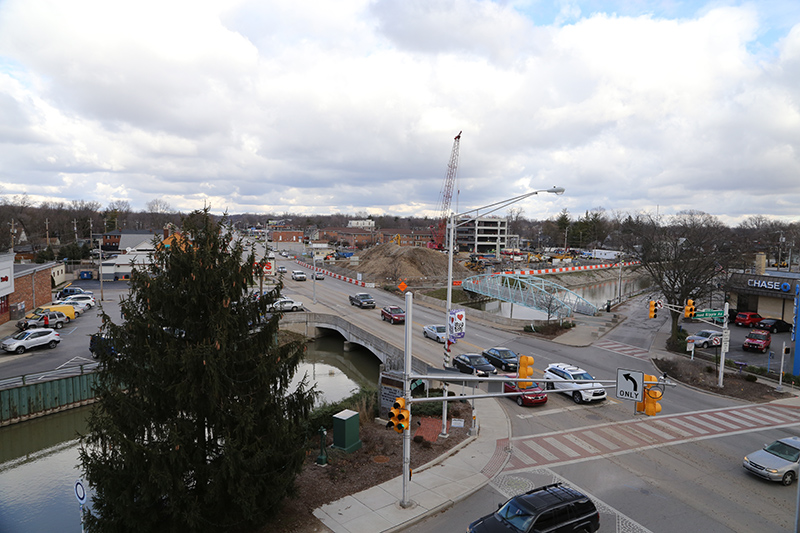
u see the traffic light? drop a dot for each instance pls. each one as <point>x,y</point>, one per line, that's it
<point>524,370</point>
<point>689,310</point>
<point>651,396</point>
<point>399,416</point>
<point>653,309</point>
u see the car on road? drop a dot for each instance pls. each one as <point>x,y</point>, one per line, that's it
<point>318,275</point>
<point>530,395</point>
<point>748,319</point>
<point>362,300</point>
<point>757,340</point>
<point>774,325</point>
<point>30,338</point>
<point>502,358</point>
<point>777,461</point>
<point>393,314</point>
<point>282,269</point>
<point>55,319</point>
<point>705,338</point>
<point>552,508</point>
<point>436,332</point>
<point>285,304</point>
<point>473,363</point>
<point>298,275</point>
<point>563,375</point>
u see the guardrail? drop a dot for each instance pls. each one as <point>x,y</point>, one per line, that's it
<point>33,395</point>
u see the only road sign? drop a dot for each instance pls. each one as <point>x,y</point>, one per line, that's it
<point>630,384</point>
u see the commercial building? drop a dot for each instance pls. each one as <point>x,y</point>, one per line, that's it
<point>482,235</point>
<point>770,294</point>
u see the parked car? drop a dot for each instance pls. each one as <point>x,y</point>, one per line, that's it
<point>298,275</point>
<point>562,375</point>
<point>705,338</point>
<point>285,304</point>
<point>63,308</point>
<point>282,269</point>
<point>362,300</point>
<point>393,314</point>
<point>777,461</point>
<point>78,306</point>
<point>774,325</point>
<point>553,507</point>
<point>502,358</point>
<point>473,363</point>
<point>70,291</point>
<point>55,319</point>
<point>436,332</point>
<point>99,345</point>
<point>747,319</point>
<point>31,338</point>
<point>758,340</point>
<point>88,298</point>
<point>531,395</point>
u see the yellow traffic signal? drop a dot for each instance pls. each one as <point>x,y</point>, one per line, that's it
<point>399,416</point>
<point>653,309</point>
<point>651,396</point>
<point>524,370</point>
<point>689,310</point>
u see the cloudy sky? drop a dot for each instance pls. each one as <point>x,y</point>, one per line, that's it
<point>345,106</point>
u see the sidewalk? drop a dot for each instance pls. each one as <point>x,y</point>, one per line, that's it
<point>433,488</point>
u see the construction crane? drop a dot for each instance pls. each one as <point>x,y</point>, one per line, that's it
<point>446,196</point>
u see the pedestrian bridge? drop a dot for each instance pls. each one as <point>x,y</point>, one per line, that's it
<point>530,291</point>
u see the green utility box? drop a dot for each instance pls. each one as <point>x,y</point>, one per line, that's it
<point>345,431</point>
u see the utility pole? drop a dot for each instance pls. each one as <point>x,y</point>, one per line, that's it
<point>75,229</point>
<point>47,230</point>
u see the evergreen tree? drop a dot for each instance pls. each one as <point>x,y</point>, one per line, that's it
<point>195,428</point>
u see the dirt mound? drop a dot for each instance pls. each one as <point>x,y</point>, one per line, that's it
<point>393,262</point>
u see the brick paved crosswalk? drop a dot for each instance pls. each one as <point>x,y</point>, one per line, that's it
<point>622,348</point>
<point>617,438</point>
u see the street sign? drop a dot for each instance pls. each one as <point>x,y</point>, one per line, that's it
<point>630,384</point>
<point>709,313</point>
<point>80,492</point>
<point>659,304</point>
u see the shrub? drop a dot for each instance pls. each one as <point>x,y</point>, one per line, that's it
<point>751,378</point>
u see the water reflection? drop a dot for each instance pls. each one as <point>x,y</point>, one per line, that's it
<point>39,458</point>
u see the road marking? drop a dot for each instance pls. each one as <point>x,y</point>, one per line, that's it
<point>603,442</point>
<point>622,348</point>
<point>561,446</point>
<point>689,426</point>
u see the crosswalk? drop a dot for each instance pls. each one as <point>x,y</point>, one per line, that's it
<point>557,448</point>
<point>622,348</point>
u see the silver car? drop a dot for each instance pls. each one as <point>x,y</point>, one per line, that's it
<point>285,304</point>
<point>777,461</point>
<point>31,338</point>
<point>435,332</point>
<point>705,338</point>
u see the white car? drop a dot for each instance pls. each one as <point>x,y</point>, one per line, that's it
<point>561,376</point>
<point>31,338</point>
<point>88,298</point>
<point>298,275</point>
<point>285,304</point>
<point>435,332</point>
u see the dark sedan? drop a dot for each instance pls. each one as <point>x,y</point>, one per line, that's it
<point>502,358</point>
<point>532,395</point>
<point>774,325</point>
<point>473,363</point>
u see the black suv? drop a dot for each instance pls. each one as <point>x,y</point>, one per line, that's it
<point>550,508</point>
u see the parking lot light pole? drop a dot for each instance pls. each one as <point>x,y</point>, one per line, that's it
<point>450,259</point>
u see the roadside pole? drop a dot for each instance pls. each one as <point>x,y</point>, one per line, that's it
<point>725,345</point>
<point>405,503</point>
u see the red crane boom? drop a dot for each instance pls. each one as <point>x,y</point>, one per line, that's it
<point>446,196</point>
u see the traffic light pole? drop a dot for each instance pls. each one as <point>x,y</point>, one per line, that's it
<point>404,502</point>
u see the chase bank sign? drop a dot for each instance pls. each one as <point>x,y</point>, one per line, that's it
<point>783,286</point>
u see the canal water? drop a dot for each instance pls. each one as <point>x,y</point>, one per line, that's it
<point>39,461</point>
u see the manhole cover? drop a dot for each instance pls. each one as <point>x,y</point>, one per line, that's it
<point>380,459</point>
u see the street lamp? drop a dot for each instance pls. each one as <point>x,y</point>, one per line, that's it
<point>450,246</point>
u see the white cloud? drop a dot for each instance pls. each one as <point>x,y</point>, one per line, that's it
<point>320,107</point>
